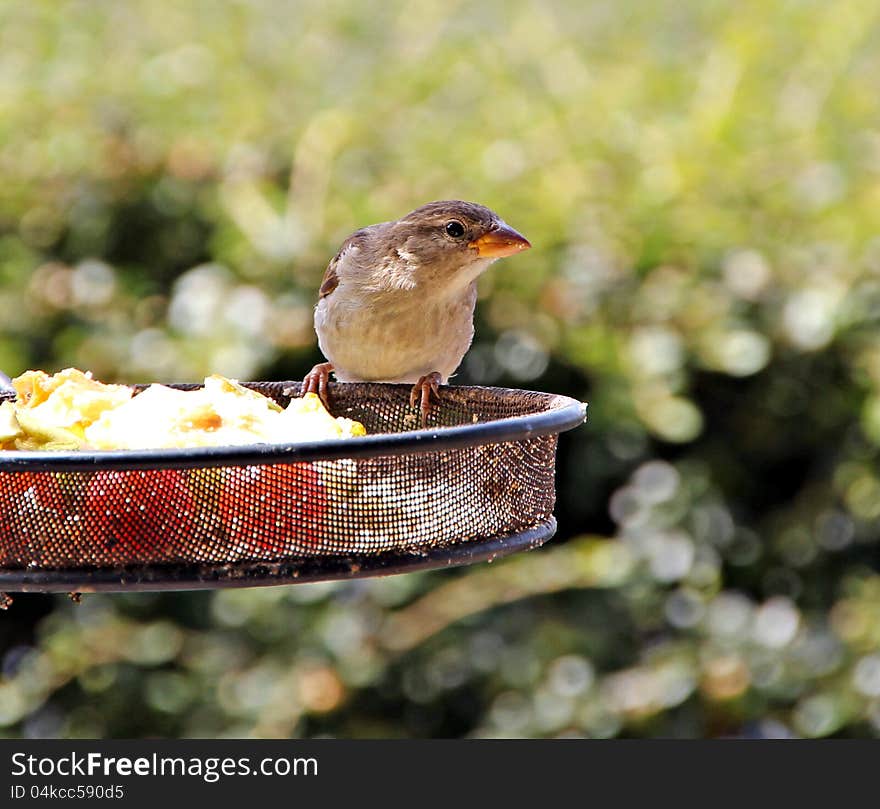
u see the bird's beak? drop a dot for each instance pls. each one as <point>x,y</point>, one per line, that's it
<point>500,242</point>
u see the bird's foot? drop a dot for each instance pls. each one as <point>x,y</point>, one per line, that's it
<point>424,393</point>
<point>318,381</point>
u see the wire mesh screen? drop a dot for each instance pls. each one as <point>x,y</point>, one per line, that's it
<point>99,518</point>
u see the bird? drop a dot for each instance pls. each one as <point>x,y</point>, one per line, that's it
<point>396,303</point>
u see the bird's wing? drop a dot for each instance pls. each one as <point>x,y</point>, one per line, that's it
<point>331,274</point>
<point>359,240</point>
<point>331,279</point>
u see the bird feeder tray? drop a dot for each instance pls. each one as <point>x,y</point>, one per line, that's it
<point>476,484</point>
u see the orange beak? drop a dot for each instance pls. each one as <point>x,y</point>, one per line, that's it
<point>500,242</point>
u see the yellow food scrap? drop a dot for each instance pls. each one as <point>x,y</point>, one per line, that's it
<point>163,417</point>
<point>69,398</point>
<point>306,417</point>
<point>10,429</point>
<point>71,410</point>
<point>53,412</point>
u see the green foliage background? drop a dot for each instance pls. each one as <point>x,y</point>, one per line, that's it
<point>701,183</point>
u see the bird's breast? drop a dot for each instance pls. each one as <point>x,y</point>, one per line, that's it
<point>394,338</point>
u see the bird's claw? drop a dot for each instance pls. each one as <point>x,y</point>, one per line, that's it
<point>424,393</point>
<point>318,381</point>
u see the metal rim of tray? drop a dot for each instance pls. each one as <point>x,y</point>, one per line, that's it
<point>565,415</point>
<point>264,574</point>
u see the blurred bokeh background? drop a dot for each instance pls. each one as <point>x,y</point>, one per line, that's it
<point>701,183</point>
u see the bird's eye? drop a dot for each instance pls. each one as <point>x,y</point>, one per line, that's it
<point>455,229</point>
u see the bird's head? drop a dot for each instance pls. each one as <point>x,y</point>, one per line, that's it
<point>454,237</point>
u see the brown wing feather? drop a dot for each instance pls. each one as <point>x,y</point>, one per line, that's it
<point>331,276</point>
<point>330,280</point>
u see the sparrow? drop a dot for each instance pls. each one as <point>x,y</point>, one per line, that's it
<point>397,301</point>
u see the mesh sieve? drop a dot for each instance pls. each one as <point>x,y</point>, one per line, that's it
<point>477,483</point>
